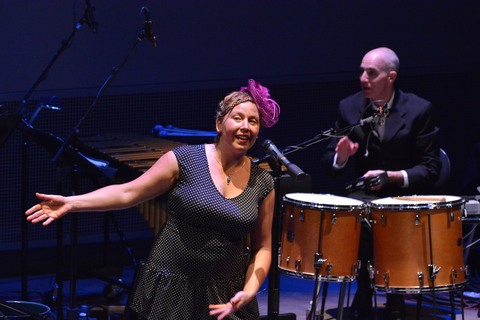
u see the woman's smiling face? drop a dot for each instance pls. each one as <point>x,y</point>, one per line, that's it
<point>241,126</point>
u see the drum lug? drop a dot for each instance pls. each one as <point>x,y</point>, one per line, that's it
<point>371,270</point>
<point>464,213</point>
<point>382,219</point>
<point>417,219</point>
<point>329,268</point>
<point>454,277</point>
<point>290,236</point>
<point>356,267</point>
<point>319,260</point>
<point>452,216</point>
<point>334,218</point>
<point>301,217</point>
<point>385,280</point>
<point>360,218</point>
<point>420,278</point>
<point>432,270</point>
<point>290,233</point>
<point>297,265</point>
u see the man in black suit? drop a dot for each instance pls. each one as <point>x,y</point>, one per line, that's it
<point>401,144</point>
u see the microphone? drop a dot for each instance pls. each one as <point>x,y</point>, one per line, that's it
<point>148,29</point>
<point>379,116</point>
<point>378,119</point>
<point>382,114</point>
<point>90,19</point>
<point>294,171</point>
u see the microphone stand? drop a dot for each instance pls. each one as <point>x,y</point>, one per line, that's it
<point>274,277</point>
<point>70,143</point>
<point>23,112</point>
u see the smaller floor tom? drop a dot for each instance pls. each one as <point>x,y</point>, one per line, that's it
<point>320,237</point>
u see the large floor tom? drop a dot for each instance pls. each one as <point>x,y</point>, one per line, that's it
<point>417,243</point>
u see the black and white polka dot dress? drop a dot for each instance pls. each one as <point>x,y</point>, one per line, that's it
<point>198,257</point>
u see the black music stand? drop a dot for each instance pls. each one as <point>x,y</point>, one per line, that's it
<point>79,163</point>
<point>22,111</point>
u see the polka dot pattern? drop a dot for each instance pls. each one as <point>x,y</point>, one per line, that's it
<point>198,257</point>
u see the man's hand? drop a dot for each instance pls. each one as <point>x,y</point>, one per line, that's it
<point>345,149</point>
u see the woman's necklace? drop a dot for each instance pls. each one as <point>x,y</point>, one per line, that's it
<point>229,176</point>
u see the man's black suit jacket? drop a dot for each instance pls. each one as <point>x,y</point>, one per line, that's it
<point>409,142</point>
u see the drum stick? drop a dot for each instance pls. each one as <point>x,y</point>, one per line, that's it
<point>423,198</point>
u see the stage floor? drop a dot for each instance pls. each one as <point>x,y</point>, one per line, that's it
<point>294,298</point>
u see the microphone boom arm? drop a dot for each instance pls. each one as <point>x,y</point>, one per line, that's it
<point>72,138</point>
<point>320,137</point>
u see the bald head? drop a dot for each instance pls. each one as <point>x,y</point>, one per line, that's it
<point>387,59</point>
<point>378,73</point>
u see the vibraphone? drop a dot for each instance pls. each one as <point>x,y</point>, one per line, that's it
<point>132,155</point>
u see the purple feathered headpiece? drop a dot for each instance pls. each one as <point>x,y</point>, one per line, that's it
<point>269,109</point>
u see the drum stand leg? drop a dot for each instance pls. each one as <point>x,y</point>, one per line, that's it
<point>452,304</point>
<point>318,266</point>
<point>324,298</point>
<point>419,305</point>
<point>341,300</point>
<point>348,298</point>
<point>316,292</point>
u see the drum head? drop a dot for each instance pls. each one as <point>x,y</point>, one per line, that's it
<point>416,202</point>
<point>323,201</point>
